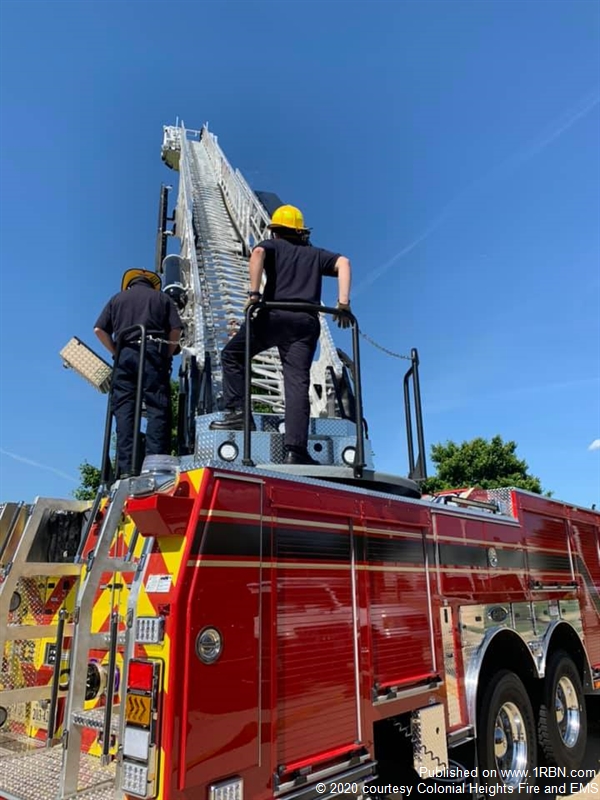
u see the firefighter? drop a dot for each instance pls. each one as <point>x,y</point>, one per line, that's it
<point>294,271</point>
<point>140,302</point>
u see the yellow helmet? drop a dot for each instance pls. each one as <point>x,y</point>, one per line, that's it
<point>288,217</point>
<point>132,274</point>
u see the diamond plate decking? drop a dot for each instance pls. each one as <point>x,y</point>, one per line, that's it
<point>30,771</point>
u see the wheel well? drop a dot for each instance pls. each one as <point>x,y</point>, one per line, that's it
<point>508,651</point>
<point>564,637</point>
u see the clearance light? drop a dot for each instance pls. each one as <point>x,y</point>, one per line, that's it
<point>149,630</point>
<point>227,790</point>
<point>141,676</point>
<point>86,363</point>
<point>348,455</point>
<point>135,779</point>
<point>228,451</point>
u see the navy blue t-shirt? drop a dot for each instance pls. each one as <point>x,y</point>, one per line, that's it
<point>295,271</point>
<point>139,305</point>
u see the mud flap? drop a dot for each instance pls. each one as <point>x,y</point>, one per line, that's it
<point>430,749</point>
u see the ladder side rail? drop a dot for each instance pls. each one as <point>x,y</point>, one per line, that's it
<point>192,314</point>
<point>8,522</point>
<point>205,218</point>
<point>83,638</point>
<point>205,256</point>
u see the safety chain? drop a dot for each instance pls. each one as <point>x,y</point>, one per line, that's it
<point>362,333</point>
<point>384,349</point>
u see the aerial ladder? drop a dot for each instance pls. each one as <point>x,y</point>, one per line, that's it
<point>70,572</point>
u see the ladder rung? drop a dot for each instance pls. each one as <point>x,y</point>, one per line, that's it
<point>115,565</point>
<point>48,569</point>
<point>26,694</point>
<point>101,641</point>
<point>13,632</point>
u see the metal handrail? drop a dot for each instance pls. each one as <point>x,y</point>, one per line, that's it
<point>359,459</point>
<point>59,646</point>
<point>110,687</point>
<point>418,469</point>
<point>139,392</point>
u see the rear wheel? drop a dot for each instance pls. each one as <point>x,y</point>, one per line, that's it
<point>562,721</point>
<point>506,740</point>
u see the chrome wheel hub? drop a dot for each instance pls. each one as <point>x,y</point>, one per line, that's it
<point>510,744</point>
<point>566,709</point>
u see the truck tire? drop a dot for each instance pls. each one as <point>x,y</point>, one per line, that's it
<point>506,737</point>
<point>562,720</point>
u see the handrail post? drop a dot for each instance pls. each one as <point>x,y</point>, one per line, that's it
<point>408,418</point>
<point>62,616</point>
<point>110,687</point>
<point>139,393</point>
<point>422,459</point>
<point>247,457</point>
<point>359,460</point>
<point>417,469</point>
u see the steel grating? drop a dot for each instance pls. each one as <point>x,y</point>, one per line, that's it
<point>30,771</point>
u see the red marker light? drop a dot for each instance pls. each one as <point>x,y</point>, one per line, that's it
<point>141,676</point>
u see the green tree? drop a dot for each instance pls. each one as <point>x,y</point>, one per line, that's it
<point>488,464</point>
<point>90,475</point>
<point>90,482</point>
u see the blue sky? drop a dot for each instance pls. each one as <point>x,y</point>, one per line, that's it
<point>450,149</point>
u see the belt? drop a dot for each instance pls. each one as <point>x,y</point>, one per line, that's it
<point>149,338</point>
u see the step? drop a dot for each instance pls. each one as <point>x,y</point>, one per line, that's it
<point>94,719</point>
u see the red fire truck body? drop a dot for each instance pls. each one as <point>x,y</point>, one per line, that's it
<point>302,619</point>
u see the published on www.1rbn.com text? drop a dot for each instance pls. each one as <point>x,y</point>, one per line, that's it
<point>490,782</point>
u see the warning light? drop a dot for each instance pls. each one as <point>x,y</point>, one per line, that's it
<point>141,676</point>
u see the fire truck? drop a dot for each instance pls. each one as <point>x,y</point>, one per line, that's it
<point>224,626</point>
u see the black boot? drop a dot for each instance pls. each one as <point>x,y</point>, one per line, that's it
<point>233,420</point>
<point>299,455</point>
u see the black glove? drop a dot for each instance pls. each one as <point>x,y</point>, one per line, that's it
<point>253,299</point>
<point>342,319</point>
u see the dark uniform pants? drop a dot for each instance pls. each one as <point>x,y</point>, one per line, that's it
<point>295,335</point>
<point>157,397</point>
